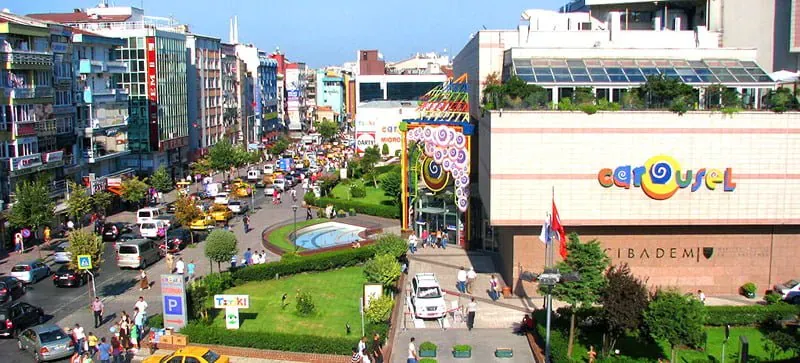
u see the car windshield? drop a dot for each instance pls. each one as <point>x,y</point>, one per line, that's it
<point>233,203</point>
<point>791,283</point>
<point>63,269</point>
<point>147,226</point>
<point>61,247</point>
<point>429,293</point>
<point>52,336</point>
<point>144,214</point>
<point>128,250</point>
<point>211,357</point>
<point>19,268</point>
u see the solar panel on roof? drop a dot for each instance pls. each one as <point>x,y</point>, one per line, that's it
<point>685,71</point>
<point>650,71</point>
<point>560,71</point>
<point>709,78</point>
<point>756,71</point>
<point>635,78</point>
<point>563,78</point>
<point>542,71</point>
<point>690,79</point>
<point>744,78</point>
<point>581,78</point>
<point>617,78</point>
<point>524,70</point>
<point>575,71</point>
<point>749,64</point>
<point>600,78</point>
<point>527,77</point>
<point>723,78</point>
<point>737,71</point>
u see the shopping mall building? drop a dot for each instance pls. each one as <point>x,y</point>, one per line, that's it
<point>701,201</point>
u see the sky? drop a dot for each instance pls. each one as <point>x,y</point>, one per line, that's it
<point>323,33</point>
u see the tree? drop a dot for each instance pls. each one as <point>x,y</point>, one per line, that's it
<point>85,243</point>
<point>624,299</point>
<point>590,262</point>
<point>327,129</point>
<point>222,156</point>
<point>134,190</point>
<point>101,201</point>
<point>161,180</point>
<point>186,211</point>
<point>385,149</point>
<point>391,183</point>
<point>367,163</point>
<point>79,202</point>
<point>220,246</point>
<point>279,146</point>
<point>676,318</point>
<point>33,206</point>
<point>383,269</point>
<point>202,167</point>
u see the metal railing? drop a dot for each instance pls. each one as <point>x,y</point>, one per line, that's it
<point>29,92</point>
<point>26,57</point>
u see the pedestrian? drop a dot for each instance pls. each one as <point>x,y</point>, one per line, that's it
<point>190,269</point>
<point>472,307</point>
<point>294,195</point>
<point>246,222</point>
<point>439,238</point>
<point>248,257</point>
<point>362,344</point>
<point>279,197</point>
<point>412,243</point>
<point>117,349</point>
<point>105,351</point>
<point>425,236</point>
<point>180,266</point>
<point>377,348</point>
<point>308,213</point>
<point>471,276</point>
<point>97,310</point>
<point>92,343</point>
<point>87,358</point>
<point>170,262</point>
<point>137,328</point>
<point>444,241</point>
<point>70,225</point>
<point>413,356</point>
<point>141,305</point>
<point>461,279</point>
<point>234,258</point>
<point>47,234</point>
<point>356,358</point>
<point>701,296</point>
<point>494,287</point>
<point>80,339</point>
<point>592,354</point>
<point>18,244</point>
<point>143,283</point>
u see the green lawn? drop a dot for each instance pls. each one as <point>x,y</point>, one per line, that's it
<point>335,293</point>
<point>280,236</point>
<point>374,195</point>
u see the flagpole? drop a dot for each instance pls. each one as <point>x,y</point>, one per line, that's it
<point>549,297</point>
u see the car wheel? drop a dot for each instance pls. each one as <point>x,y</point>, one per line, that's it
<point>796,300</point>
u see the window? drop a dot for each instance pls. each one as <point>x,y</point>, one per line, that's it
<point>370,92</point>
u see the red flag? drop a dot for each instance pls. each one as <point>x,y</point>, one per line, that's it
<point>555,225</point>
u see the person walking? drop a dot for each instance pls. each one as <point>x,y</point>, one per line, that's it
<point>591,354</point>
<point>413,356</point>
<point>92,343</point>
<point>701,296</point>
<point>180,266</point>
<point>18,243</point>
<point>141,305</point>
<point>143,283</point>
<point>472,308</point>
<point>444,241</point>
<point>412,243</point>
<point>234,258</point>
<point>248,257</point>
<point>80,338</point>
<point>471,276</point>
<point>425,236</point>
<point>309,216</point>
<point>105,351</point>
<point>461,279</point>
<point>356,357</point>
<point>294,195</point>
<point>246,222</point>
<point>97,311</point>
<point>190,269</point>
<point>494,286</point>
<point>47,234</point>
<point>377,348</point>
<point>117,350</point>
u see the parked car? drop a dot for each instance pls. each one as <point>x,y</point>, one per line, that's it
<point>138,253</point>
<point>11,288</point>
<point>67,277</point>
<point>269,189</point>
<point>789,290</point>
<point>60,254</point>
<point>170,208</point>
<point>30,272</point>
<point>170,220</point>
<point>238,206</point>
<point>17,316</point>
<point>222,198</point>
<point>189,354</point>
<point>150,229</point>
<point>260,184</point>
<point>146,215</point>
<point>204,223</point>
<point>268,169</point>
<point>280,184</point>
<point>176,240</point>
<point>125,238</point>
<point>112,231</point>
<point>46,342</point>
<point>427,297</point>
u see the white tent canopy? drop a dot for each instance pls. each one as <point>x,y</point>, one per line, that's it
<point>785,76</point>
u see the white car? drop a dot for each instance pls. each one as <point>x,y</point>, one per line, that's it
<point>222,198</point>
<point>238,206</point>
<point>269,189</point>
<point>427,297</point>
<point>789,290</point>
<point>280,184</point>
<point>61,255</point>
<point>268,169</point>
<point>150,229</point>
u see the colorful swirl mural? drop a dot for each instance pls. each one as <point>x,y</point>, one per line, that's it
<point>433,175</point>
<point>446,156</point>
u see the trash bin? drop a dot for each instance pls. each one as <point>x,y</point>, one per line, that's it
<point>506,292</point>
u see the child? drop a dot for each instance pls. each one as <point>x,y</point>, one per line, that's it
<point>92,339</point>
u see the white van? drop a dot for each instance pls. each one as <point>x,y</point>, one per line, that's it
<point>150,229</point>
<point>138,253</point>
<point>254,175</point>
<point>269,169</point>
<point>146,215</point>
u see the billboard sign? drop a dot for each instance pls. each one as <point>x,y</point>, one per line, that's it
<point>173,295</point>
<point>364,140</point>
<point>152,91</point>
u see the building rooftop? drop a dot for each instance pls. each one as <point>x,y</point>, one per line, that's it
<point>387,104</point>
<point>80,16</point>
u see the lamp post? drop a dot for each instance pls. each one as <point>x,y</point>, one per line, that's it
<point>550,277</point>
<point>294,235</point>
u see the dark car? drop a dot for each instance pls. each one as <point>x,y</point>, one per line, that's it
<point>261,184</point>
<point>11,288</point>
<point>112,231</point>
<point>17,316</point>
<point>176,240</point>
<point>67,277</point>
<point>171,208</point>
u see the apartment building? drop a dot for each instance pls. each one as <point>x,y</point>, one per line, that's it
<point>405,80</point>
<point>204,89</point>
<point>266,100</point>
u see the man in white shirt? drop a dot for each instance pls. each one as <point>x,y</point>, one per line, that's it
<point>179,266</point>
<point>412,243</point>
<point>412,352</point>
<point>462,280</point>
<point>471,276</point>
<point>80,337</point>
<point>141,305</point>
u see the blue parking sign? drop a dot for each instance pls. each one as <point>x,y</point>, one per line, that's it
<point>173,305</point>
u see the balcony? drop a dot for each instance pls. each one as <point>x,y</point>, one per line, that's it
<point>26,59</point>
<point>106,126</point>
<point>105,96</point>
<point>99,153</point>
<point>21,93</point>
<point>88,66</point>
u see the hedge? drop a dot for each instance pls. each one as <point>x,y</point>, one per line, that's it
<point>750,314</point>
<point>208,334</point>
<point>378,210</point>
<point>558,342</point>
<point>317,262</point>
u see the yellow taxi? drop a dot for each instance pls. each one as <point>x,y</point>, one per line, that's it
<point>220,213</point>
<point>203,224</point>
<point>189,354</point>
<point>242,190</point>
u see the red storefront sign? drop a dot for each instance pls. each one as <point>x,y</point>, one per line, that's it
<point>152,91</point>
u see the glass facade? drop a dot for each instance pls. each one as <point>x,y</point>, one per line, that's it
<point>370,92</point>
<point>406,91</point>
<point>133,53</point>
<point>173,118</point>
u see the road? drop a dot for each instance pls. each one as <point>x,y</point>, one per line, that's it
<point>111,281</point>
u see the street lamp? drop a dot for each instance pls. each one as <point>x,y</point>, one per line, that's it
<point>550,277</point>
<point>294,236</point>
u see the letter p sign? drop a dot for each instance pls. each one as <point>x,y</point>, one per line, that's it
<point>173,305</point>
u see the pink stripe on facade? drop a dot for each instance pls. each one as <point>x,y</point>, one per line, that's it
<point>545,176</point>
<point>647,222</point>
<point>619,130</point>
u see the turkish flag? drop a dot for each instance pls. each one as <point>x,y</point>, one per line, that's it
<point>556,226</point>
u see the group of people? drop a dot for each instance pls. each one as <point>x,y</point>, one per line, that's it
<point>127,332</point>
<point>435,239</point>
<point>250,258</point>
<point>179,267</point>
<point>465,281</point>
<point>368,354</point>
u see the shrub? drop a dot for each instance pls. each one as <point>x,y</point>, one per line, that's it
<point>305,304</point>
<point>772,298</point>
<point>380,309</point>
<point>383,269</point>
<point>462,348</point>
<point>318,262</point>
<point>216,283</point>
<point>750,314</point>
<point>427,346</point>
<point>357,191</point>
<point>749,288</point>
<point>310,199</point>
<point>206,334</point>
<point>589,109</point>
<point>156,321</point>
<point>558,342</point>
<point>385,211</point>
<point>390,244</point>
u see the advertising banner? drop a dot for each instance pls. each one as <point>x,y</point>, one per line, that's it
<point>231,301</point>
<point>173,295</point>
<point>23,162</point>
<point>152,92</point>
<point>364,140</point>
